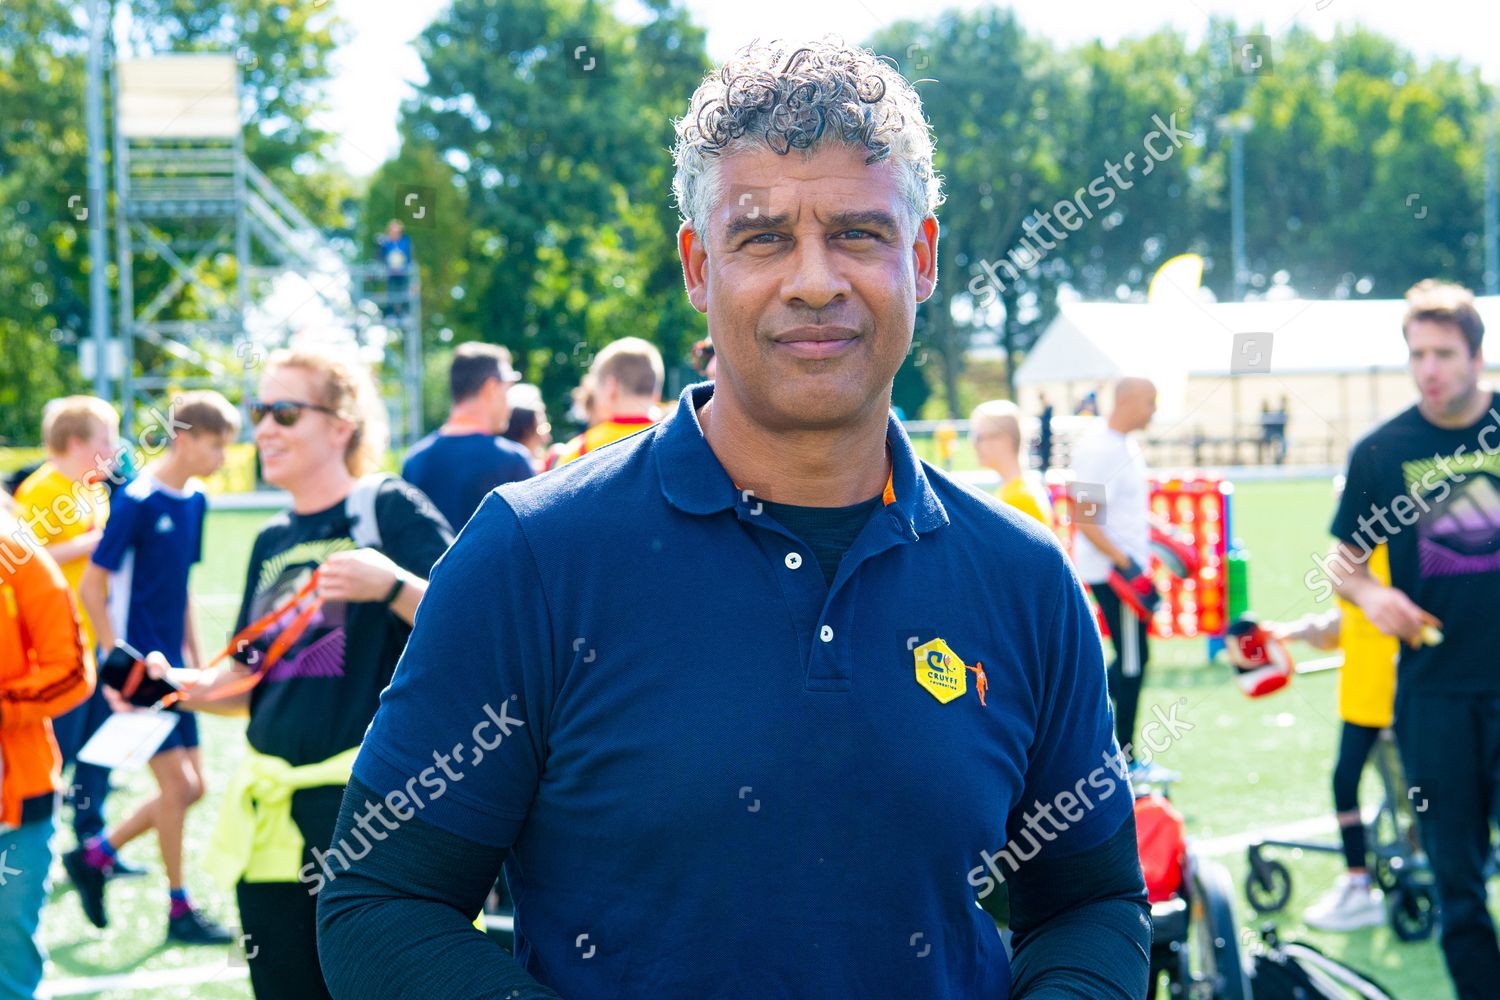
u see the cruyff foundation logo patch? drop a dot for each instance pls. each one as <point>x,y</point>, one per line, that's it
<point>944,675</point>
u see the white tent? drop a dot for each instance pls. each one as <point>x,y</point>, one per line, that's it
<point>1337,366</point>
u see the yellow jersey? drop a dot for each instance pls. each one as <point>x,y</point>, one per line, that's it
<point>603,433</point>
<point>58,510</point>
<point>1367,682</point>
<point>1019,494</point>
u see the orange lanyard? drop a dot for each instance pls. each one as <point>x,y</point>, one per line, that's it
<point>309,600</point>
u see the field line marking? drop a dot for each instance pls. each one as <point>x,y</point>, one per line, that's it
<point>1301,829</point>
<point>152,980</point>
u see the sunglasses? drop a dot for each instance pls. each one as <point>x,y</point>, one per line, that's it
<point>284,411</point>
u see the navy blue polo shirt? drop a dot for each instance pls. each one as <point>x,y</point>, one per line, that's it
<point>456,471</point>
<point>718,775</point>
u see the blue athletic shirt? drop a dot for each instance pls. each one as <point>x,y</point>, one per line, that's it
<point>457,470</point>
<point>153,537</point>
<point>715,774</point>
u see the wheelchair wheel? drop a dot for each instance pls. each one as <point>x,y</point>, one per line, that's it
<point>1384,871</point>
<point>1268,885</point>
<point>1388,848</point>
<point>1412,908</point>
<point>1216,971</point>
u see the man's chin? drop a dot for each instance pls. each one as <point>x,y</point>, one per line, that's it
<point>818,407</point>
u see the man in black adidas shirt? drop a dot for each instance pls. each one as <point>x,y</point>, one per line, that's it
<point>1427,482</point>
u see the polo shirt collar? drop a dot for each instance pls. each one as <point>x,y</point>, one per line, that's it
<point>693,480</point>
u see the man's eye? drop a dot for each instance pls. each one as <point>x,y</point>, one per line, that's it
<point>858,234</point>
<point>763,239</point>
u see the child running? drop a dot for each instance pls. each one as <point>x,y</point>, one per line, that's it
<point>136,589</point>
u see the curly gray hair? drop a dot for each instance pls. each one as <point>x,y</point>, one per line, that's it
<point>782,96</point>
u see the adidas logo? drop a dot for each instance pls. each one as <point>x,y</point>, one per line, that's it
<point>164,525</point>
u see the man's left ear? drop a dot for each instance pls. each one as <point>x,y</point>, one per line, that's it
<point>924,257</point>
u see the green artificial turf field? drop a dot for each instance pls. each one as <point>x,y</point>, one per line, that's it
<point>1246,765</point>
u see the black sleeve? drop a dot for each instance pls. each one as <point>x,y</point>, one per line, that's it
<point>413,533</point>
<point>411,901</point>
<point>1082,925</point>
<point>1359,496</point>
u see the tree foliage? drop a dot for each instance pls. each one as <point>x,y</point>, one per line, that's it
<point>542,132</point>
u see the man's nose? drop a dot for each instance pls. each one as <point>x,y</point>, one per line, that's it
<point>816,280</point>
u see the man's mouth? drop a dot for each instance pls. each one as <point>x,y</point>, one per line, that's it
<point>816,342</point>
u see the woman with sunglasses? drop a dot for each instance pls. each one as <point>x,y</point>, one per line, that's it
<point>319,427</point>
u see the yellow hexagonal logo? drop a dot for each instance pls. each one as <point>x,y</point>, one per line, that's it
<point>940,671</point>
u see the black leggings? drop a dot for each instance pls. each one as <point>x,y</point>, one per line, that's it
<point>280,924</point>
<point>1125,677</point>
<point>1355,744</point>
<point>280,919</point>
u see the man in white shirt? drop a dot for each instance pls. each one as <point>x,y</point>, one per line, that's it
<point>1113,549</point>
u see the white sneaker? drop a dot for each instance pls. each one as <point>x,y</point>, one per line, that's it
<point>1352,903</point>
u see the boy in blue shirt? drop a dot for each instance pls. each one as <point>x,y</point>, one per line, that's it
<point>136,589</point>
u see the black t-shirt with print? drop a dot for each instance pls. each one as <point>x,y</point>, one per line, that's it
<point>318,699</point>
<point>1439,490</point>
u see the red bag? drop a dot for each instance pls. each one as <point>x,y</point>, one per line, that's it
<point>1161,836</point>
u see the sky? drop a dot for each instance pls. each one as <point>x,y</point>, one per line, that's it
<point>373,73</point>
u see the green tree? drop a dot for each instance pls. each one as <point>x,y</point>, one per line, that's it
<point>43,284</point>
<point>556,117</point>
<point>992,93</point>
<point>44,262</point>
<point>441,239</point>
<point>1362,167</point>
<point>283,53</point>
<point>1125,94</point>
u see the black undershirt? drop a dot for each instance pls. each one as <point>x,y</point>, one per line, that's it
<point>828,531</point>
<point>1082,924</point>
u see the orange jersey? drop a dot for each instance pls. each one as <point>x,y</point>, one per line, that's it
<point>44,670</point>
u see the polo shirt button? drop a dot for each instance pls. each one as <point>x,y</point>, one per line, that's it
<point>826,633</point>
<point>793,560</point>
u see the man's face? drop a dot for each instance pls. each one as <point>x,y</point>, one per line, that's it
<point>810,275</point>
<point>1136,406</point>
<point>991,446</point>
<point>1147,409</point>
<point>203,452</point>
<point>1446,374</point>
<point>498,392</point>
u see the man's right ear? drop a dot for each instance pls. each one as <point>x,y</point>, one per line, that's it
<point>694,265</point>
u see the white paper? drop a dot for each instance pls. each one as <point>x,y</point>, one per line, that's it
<point>128,739</point>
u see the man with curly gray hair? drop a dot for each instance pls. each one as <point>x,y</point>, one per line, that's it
<point>783,768</point>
